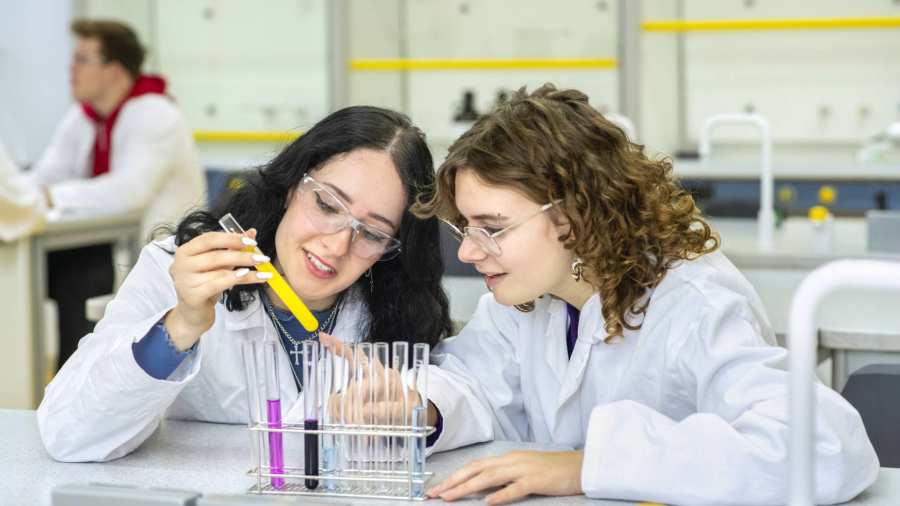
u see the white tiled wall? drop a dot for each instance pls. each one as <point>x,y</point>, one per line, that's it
<point>262,65</point>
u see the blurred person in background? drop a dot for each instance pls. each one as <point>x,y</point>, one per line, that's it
<point>122,147</point>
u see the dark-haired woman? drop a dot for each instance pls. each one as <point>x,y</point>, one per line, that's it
<point>331,213</point>
<point>613,326</point>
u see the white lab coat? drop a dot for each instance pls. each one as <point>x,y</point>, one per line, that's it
<point>154,164</point>
<point>691,409</point>
<point>102,404</point>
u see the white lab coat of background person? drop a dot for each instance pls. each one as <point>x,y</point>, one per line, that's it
<point>102,404</point>
<point>153,163</point>
<point>691,409</point>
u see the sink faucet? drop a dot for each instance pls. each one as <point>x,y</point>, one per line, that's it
<point>766,216</point>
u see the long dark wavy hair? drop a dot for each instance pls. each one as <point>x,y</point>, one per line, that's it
<point>631,220</point>
<point>407,302</point>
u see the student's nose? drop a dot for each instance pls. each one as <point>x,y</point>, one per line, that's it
<point>338,243</point>
<point>469,252</point>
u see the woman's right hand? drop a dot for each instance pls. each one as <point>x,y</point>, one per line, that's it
<point>393,400</point>
<point>204,267</point>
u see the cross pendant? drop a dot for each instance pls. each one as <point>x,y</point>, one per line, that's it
<point>296,353</point>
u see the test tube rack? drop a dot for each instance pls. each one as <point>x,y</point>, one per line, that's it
<point>351,481</point>
<point>352,460</point>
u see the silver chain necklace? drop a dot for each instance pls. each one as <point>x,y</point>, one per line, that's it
<point>296,352</point>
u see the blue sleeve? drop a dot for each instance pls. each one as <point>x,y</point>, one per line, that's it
<point>156,354</point>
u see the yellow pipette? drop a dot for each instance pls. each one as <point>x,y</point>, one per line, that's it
<point>281,287</point>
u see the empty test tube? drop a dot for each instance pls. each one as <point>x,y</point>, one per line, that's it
<point>419,415</point>
<point>400,365</point>
<point>355,416</point>
<point>381,370</point>
<point>418,419</point>
<point>343,373</point>
<point>366,413</point>
<point>254,401</point>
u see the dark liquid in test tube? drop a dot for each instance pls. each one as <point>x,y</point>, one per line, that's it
<point>310,408</point>
<point>311,453</point>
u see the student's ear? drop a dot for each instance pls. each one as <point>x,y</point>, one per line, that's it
<point>561,222</point>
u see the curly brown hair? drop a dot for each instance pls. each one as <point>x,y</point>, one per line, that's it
<point>630,218</point>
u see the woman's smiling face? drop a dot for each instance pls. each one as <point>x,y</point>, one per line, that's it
<point>317,265</point>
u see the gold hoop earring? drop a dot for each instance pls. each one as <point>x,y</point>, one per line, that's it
<point>578,269</point>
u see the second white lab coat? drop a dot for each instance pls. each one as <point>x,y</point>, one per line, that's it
<point>154,166</point>
<point>690,409</point>
<point>102,404</point>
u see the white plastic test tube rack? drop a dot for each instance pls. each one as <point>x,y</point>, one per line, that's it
<point>358,460</point>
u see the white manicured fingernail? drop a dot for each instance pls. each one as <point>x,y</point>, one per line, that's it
<point>248,241</point>
<point>263,275</point>
<point>260,258</point>
<point>241,272</point>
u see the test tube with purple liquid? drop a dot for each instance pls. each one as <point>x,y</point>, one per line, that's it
<point>273,413</point>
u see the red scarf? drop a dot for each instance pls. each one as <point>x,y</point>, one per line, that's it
<point>103,141</point>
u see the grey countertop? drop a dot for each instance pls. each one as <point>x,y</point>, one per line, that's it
<point>793,240</point>
<point>214,459</point>
<point>787,168</point>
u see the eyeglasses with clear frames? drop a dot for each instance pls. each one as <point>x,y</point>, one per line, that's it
<point>329,215</point>
<point>487,240</point>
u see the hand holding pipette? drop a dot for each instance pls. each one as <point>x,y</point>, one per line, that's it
<point>203,268</point>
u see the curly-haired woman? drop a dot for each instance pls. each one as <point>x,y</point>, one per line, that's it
<point>613,326</point>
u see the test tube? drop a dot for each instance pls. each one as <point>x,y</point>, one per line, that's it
<point>327,387</point>
<point>254,401</point>
<point>311,410</point>
<point>366,362</point>
<point>345,446</point>
<point>421,356</point>
<point>273,413</point>
<point>417,461</point>
<point>381,369</point>
<point>400,366</point>
<point>359,442</point>
<point>248,356</point>
<point>278,284</point>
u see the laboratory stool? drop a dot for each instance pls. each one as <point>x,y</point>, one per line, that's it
<point>873,390</point>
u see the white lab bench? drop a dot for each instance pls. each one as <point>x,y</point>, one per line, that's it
<point>23,276</point>
<point>214,459</point>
